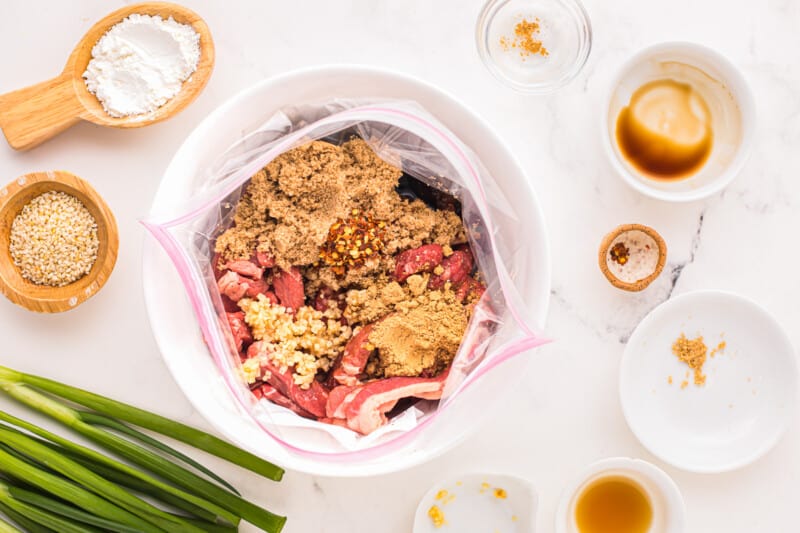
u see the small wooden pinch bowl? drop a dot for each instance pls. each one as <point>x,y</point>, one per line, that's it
<point>44,298</point>
<point>34,114</point>
<point>638,285</point>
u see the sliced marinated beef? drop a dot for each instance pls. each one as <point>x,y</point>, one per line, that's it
<point>351,364</point>
<point>455,269</point>
<point>241,333</point>
<point>367,409</point>
<point>289,288</point>
<point>422,259</point>
<point>245,268</point>
<point>312,399</point>
<point>272,394</point>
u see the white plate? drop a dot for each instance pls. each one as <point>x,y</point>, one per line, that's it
<point>470,503</point>
<point>750,392</point>
<point>172,319</point>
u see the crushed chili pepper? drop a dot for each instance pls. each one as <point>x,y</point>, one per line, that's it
<point>620,253</point>
<point>351,241</point>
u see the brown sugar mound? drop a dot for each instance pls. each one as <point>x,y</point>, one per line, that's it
<point>423,339</point>
<point>290,205</point>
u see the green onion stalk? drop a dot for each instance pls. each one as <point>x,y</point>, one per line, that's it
<point>52,483</point>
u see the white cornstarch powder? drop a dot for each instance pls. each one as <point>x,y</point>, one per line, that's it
<point>140,63</point>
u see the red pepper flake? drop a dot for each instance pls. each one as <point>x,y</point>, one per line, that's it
<point>352,241</point>
<point>619,253</point>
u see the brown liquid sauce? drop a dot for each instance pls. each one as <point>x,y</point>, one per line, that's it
<point>613,504</point>
<point>665,131</point>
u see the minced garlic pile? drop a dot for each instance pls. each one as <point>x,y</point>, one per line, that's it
<point>309,340</point>
<point>53,240</point>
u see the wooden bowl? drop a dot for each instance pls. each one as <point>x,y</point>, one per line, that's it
<point>44,298</point>
<point>32,115</point>
<point>605,248</point>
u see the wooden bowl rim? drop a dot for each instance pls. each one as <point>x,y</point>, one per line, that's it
<point>191,89</point>
<point>43,298</point>
<point>641,284</point>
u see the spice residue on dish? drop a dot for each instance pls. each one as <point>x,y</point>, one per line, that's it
<point>141,63</point>
<point>437,516</point>
<point>694,353</point>
<point>53,240</point>
<point>718,349</point>
<point>478,501</point>
<point>613,504</point>
<point>665,131</point>
<point>526,39</point>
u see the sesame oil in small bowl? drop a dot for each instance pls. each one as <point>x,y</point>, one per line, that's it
<point>621,495</point>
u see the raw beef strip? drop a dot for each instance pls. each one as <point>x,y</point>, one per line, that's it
<point>312,399</point>
<point>366,412</point>
<point>289,288</point>
<point>350,365</point>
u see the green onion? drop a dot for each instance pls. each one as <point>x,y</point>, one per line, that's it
<point>5,527</point>
<point>94,483</point>
<point>144,419</point>
<point>99,486</point>
<point>145,458</point>
<point>100,420</point>
<point>121,467</point>
<point>69,492</point>
<point>67,511</point>
<point>26,523</point>
<point>38,515</point>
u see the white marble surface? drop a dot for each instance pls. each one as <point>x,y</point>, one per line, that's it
<point>568,414</point>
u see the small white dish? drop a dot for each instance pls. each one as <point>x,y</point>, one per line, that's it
<point>471,503</point>
<point>669,511</point>
<point>565,32</point>
<point>730,101</point>
<point>749,396</point>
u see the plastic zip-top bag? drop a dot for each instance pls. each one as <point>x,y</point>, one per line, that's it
<point>370,416</point>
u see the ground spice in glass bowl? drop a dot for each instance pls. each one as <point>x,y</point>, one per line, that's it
<point>534,46</point>
<point>526,39</point>
<point>59,239</point>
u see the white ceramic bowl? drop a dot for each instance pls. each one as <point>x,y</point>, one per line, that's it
<point>172,319</point>
<point>469,503</point>
<point>669,511</point>
<point>749,396</point>
<point>726,92</point>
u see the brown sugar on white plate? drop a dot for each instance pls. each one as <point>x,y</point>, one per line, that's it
<point>632,256</point>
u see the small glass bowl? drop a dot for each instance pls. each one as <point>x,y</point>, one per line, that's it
<point>565,32</point>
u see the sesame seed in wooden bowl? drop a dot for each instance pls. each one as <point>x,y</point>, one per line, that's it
<point>64,277</point>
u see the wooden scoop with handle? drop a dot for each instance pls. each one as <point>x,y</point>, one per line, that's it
<point>32,115</point>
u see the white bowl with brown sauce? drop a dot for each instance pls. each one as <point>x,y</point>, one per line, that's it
<point>678,122</point>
